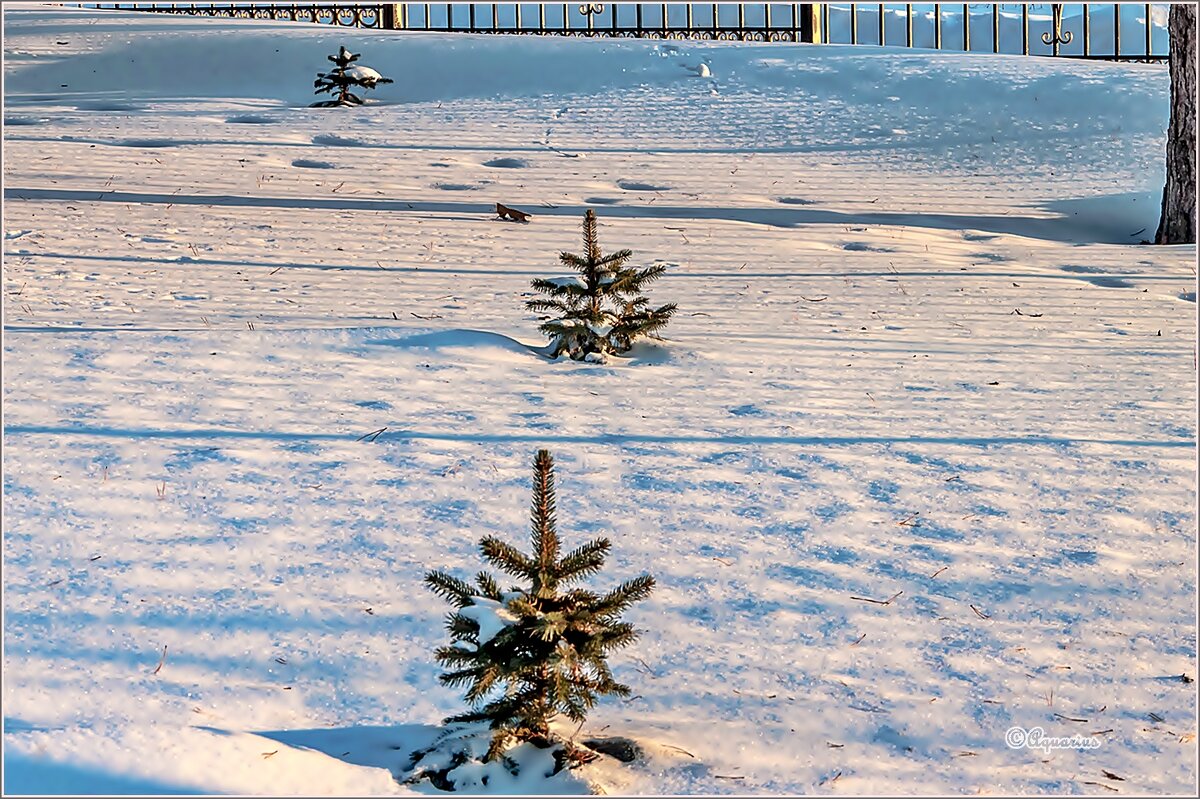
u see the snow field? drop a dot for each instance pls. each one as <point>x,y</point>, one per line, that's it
<point>214,299</point>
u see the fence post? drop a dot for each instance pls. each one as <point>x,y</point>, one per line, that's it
<point>391,16</point>
<point>810,23</point>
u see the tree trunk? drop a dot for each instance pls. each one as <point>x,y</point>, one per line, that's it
<point>1178,222</point>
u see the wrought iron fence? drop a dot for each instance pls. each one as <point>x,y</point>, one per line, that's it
<point>343,14</point>
<point>1114,31</point>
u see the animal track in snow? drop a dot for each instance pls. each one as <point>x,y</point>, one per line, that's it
<point>333,140</point>
<point>1110,282</point>
<point>634,185</point>
<point>461,186</point>
<point>859,246</point>
<point>306,163</point>
<point>1102,280</point>
<point>507,163</point>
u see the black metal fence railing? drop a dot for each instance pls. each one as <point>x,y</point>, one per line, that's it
<point>342,14</point>
<point>1113,31</point>
<point>1120,31</point>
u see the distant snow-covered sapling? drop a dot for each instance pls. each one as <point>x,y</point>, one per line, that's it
<point>601,310</point>
<point>533,652</point>
<point>344,75</point>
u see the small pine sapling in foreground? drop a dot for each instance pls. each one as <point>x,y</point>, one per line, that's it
<point>344,75</point>
<point>600,311</point>
<point>535,651</point>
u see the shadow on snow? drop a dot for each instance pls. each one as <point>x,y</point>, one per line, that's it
<point>1101,219</point>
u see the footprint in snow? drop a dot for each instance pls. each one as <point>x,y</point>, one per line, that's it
<point>1081,557</point>
<point>305,163</point>
<point>333,140</point>
<point>460,186</point>
<point>1109,282</point>
<point>859,246</point>
<point>634,185</point>
<point>507,163</point>
<point>601,200</point>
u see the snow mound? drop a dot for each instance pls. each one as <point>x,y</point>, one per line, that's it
<point>273,62</point>
<point>455,763</point>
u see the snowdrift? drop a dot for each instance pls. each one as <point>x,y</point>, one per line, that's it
<point>913,466</point>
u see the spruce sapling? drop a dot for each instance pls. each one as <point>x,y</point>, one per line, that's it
<point>601,311</point>
<point>344,75</point>
<point>538,650</point>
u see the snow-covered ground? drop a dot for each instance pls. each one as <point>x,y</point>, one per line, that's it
<point>919,355</point>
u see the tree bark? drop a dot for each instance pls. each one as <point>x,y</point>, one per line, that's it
<point>1177,225</point>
